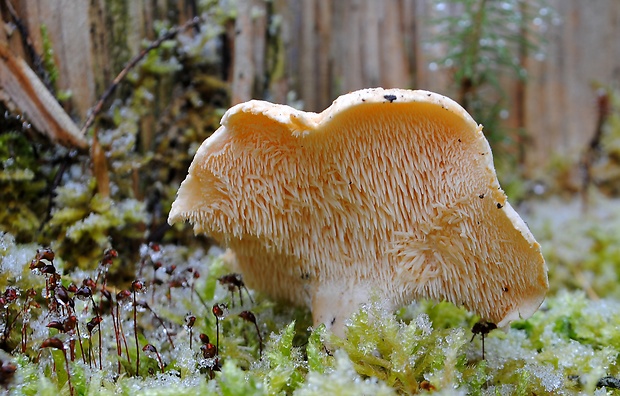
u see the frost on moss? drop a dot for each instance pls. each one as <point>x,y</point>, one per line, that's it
<point>582,250</point>
<point>86,223</point>
<point>402,355</point>
<point>23,183</point>
<point>342,379</point>
<point>234,381</point>
<point>148,138</point>
<point>283,364</point>
<point>570,345</point>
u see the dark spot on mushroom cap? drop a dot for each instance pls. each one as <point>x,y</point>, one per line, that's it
<point>499,205</point>
<point>391,98</point>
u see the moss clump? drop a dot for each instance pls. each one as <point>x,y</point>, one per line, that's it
<point>403,355</point>
<point>582,249</point>
<point>570,345</point>
<point>23,185</point>
<point>174,100</point>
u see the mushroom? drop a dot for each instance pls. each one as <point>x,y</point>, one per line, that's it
<point>387,195</point>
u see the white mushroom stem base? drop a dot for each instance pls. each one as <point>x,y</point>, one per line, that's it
<point>333,303</point>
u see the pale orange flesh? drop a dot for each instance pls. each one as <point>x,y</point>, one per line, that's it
<point>396,199</point>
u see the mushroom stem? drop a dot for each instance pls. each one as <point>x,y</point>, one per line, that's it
<point>334,302</point>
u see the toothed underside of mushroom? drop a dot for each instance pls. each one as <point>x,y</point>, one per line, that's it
<point>387,192</point>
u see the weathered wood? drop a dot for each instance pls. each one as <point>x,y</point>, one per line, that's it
<point>395,72</point>
<point>560,105</point>
<point>259,29</point>
<point>310,52</point>
<point>328,47</point>
<point>334,47</point>
<point>21,86</point>
<point>243,62</point>
<point>67,23</point>
<point>325,92</point>
<point>4,40</point>
<point>92,39</point>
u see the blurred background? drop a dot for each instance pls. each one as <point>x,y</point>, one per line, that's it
<point>542,76</point>
<point>527,69</point>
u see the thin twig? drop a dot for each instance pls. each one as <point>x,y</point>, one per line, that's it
<point>155,44</point>
<point>145,305</point>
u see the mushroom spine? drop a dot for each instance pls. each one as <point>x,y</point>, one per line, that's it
<point>387,194</point>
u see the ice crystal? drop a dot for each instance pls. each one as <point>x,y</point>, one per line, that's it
<point>14,258</point>
<point>342,380</point>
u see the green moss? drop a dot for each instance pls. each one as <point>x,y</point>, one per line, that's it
<point>235,382</point>
<point>119,27</point>
<point>568,345</point>
<point>318,357</point>
<point>284,366</point>
<point>342,379</point>
<point>92,223</point>
<point>581,248</point>
<point>48,57</point>
<point>31,382</point>
<point>22,180</point>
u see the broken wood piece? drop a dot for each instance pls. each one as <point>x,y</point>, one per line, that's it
<point>22,86</point>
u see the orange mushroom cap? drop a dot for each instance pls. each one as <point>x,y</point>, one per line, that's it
<point>387,193</point>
